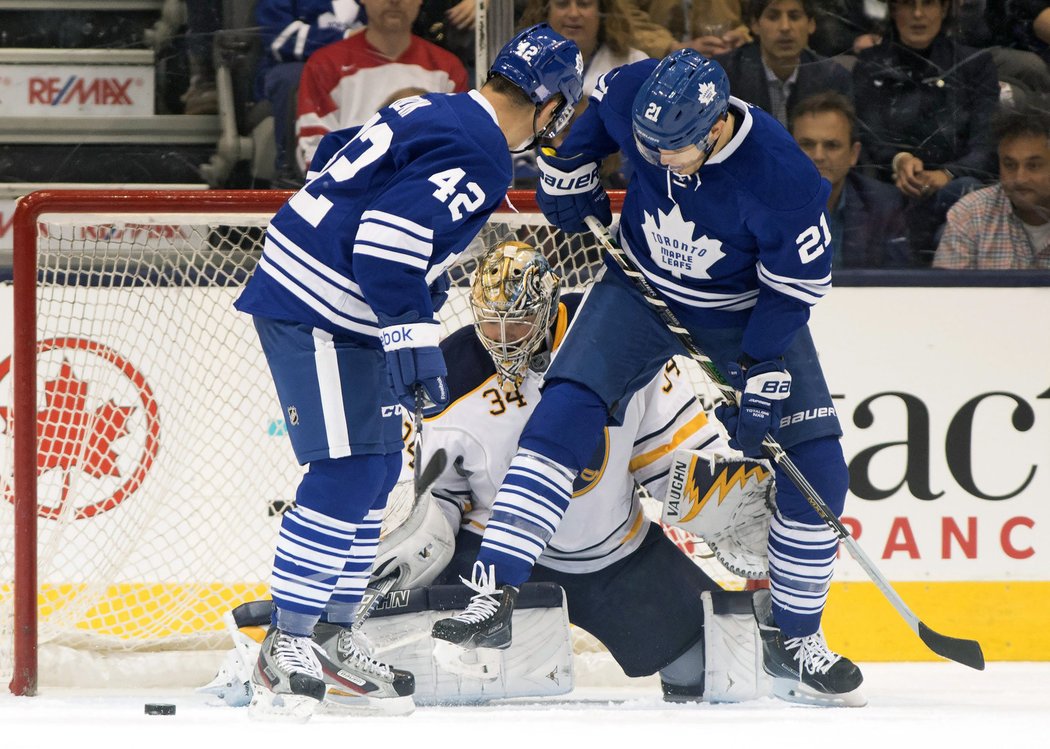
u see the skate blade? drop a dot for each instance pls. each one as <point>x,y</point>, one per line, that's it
<point>473,663</point>
<point>794,691</point>
<point>290,708</point>
<point>337,702</point>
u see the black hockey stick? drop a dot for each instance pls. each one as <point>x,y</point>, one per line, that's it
<point>966,652</point>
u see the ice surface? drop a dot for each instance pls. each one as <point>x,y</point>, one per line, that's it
<point>927,706</point>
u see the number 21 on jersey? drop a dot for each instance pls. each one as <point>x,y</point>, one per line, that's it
<point>813,241</point>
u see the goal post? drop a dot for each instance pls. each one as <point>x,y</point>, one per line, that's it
<point>139,423</point>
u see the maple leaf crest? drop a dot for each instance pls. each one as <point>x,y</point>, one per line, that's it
<point>674,246</point>
<point>71,437</point>
<point>707,93</point>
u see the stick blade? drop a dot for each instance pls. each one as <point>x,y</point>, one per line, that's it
<point>966,652</point>
<point>431,471</point>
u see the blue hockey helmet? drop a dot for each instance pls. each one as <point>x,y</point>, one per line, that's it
<point>676,107</point>
<point>542,63</point>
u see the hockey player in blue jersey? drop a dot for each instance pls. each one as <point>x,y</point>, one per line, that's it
<point>342,301</point>
<point>725,217</point>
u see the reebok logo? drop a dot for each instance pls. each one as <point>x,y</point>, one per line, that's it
<point>396,336</point>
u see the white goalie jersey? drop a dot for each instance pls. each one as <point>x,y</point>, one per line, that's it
<point>604,523</point>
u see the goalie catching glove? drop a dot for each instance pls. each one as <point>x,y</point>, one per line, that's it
<point>728,503</point>
<point>414,361</point>
<point>569,191</point>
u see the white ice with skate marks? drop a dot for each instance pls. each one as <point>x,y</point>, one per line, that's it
<point>929,705</point>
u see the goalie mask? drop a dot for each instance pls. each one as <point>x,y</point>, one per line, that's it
<point>514,298</point>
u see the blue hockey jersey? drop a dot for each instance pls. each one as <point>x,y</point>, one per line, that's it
<point>742,243</point>
<point>389,212</point>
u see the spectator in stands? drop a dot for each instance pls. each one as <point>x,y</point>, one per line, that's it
<point>449,24</point>
<point>924,104</point>
<point>777,71</point>
<point>203,19</point>
<point>292,30</point>
<point>602,30</point>
<point>713,27</point>
<point>845,27</point>
<point>864,215</point>
<point>344,83</point>
<point>1009,33</point>
<point>1007,225</point>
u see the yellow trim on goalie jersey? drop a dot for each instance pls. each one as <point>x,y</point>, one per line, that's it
<point>1007,618</point>
<point>560,326</point>
<point>693,426</point>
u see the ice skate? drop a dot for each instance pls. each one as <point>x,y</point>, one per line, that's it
<point>468,643</point>
<point>356,682</point>
<point>804,670</point>
<point>287,682</point>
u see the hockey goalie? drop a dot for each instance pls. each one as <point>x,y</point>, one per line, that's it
<point>608,569</point>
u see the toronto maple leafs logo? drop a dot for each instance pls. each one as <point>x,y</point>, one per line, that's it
<point>675,248</point>
<point>707,93</point>
<point>95,442</point>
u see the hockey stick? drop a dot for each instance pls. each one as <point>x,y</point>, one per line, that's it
<point>966,652</point>
<point>423,479</point>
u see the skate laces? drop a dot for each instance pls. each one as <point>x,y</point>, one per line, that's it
<point>485,601</point>
<point>812,653</point>
<point>351,652</point>
<point>296,655</point>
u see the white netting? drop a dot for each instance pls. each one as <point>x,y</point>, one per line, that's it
<point>162,464</point>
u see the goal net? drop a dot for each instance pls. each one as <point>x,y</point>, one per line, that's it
<point>150,503</point>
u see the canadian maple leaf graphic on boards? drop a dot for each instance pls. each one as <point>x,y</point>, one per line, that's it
<point>70,436</point>
<point>76,433</point>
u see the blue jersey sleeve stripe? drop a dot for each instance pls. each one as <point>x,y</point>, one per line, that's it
<point>807,291</point>
<point>394,256</point>
<point>275,237</point>
<point>399,221</point>
<point>324,310</point>
<point>311,273</point>
<point>388,236</point>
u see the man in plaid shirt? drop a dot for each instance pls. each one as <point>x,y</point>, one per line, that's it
<point>1006,226</point>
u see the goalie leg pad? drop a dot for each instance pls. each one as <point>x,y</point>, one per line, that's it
<point>733,666</point>
<point>538,663</point>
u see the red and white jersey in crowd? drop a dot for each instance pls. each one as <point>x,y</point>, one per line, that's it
<point>345,83</point>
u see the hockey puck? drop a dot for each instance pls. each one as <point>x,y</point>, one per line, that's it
<point>159,708</point>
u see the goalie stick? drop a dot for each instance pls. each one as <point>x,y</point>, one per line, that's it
<point>423,479</point>
<point>966,652</point>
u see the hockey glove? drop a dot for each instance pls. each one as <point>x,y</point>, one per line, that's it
<point>414,361</point>
<point>569,191</point>
<point>763,387</point>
